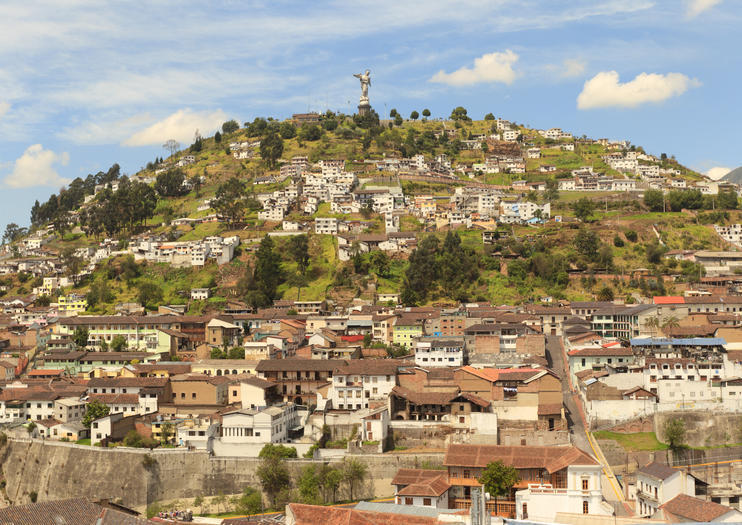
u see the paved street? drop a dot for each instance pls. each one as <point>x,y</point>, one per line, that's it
<point>555,358</point>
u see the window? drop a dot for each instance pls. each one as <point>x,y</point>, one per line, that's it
<point>193,395</point>
<point>426,502</point>
<point>585,483</point>
<point>585,507</point>
<point>525,511</point>
<point>408,501</point>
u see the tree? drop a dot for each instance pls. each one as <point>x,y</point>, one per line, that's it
<point>498,479</point>
<point>605,294</point>
<point>380,263</point>
<point>287,130</point>
<point>298,249</point>
<point>426,113</point>
<point>587,243</point>
<point>271,148</point>
<point>228,200</point>
<point>308,485</point>
<point>199,502</point>
<point>172,146</point>
<point>654,200</point>
<point>329,479</point>
<point>167,431</point>
<point>653,324</point>
<point>170,183</point>
<point>670,323</point>
<point>13,232</point>
<point>80,337</point>
<point>217,137</point>
<point>310,132</point>
<point>250,502</point>
<point>230,126</point>
<point>119,343</point>
<point>95,410</point>
<point>393,113</point>
<point>398,120</point>
<point>459,113</point>
<point>274,477</point>
<point>728,200</point>
<point>149,293</point>
<point>583,208</point>
<point>414,115</point>
<point>354,473</point>
<point>674,431</point>
<point>489,116</point>
<point>270,450</point>
<point>267,275</point>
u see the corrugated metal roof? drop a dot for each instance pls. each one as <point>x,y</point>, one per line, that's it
<point>663,341</point>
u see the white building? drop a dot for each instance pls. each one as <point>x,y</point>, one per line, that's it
<point>264,425</point>
<point>326,225</point>
<point>200,294</point>
<point>583,495</point>
<point>357,382</point>
<point>439,352</point>
<point>657,484</point>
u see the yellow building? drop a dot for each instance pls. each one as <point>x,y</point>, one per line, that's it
<point>68,305</point>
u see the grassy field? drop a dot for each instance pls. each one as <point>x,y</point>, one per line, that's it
<point>633,442</point>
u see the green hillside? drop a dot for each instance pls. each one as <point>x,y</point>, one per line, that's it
<point>619,234</point>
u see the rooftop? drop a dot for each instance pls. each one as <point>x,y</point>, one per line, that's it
<point>524,457</point>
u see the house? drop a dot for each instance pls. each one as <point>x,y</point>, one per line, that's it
<point>684,509</point>
<point>298,379</point>
<point>551,480</point>
<point>78,511</point>
<point>259,425</point>
<point>421,488</point>
<point>200,294</point>
<point>656,484</point>
<point>439,352</point>
<point>199,389</point>
<point>357,382</point>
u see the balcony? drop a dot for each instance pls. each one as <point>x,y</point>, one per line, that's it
<point>505,509</point>
<point>647,495</point>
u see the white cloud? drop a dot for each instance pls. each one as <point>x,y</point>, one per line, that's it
<point>4,107</point>
<point>717,172</point>
<point>696,7</point>
<point>36,168</point>
<point>105,130</point>
<point>491,67</point>
<point>573,67</point>
<point>180,126</point>
<point>605,89</point>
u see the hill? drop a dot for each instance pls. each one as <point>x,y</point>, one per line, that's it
<point>239,171</point>
<point>734,176</point>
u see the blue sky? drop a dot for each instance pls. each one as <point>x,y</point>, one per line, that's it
<point>84,84</point>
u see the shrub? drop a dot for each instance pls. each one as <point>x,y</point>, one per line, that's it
<point>149,461</point>
<point>631,235</point>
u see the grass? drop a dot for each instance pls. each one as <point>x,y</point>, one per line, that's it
<point>85,441</point>
<point>638,441</point>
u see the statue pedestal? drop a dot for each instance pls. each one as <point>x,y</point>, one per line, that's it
<point>364,108</point>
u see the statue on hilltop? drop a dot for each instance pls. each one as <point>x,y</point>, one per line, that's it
<point>364,106</point>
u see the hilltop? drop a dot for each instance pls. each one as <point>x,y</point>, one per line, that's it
<point>234,184</point>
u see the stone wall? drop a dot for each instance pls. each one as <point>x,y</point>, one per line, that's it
<point>703,429</point>
<point>63,470</point>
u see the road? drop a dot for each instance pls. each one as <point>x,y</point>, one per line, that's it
<point>555,358</point>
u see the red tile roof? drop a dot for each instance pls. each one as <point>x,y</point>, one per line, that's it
<point>314,514</point>
<point>600,352</point>
<point>694,509</point>
<point>669,299</point>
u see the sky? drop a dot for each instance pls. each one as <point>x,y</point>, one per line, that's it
<point>86,83</point>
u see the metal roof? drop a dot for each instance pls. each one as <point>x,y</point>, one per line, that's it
<point>663,341</point>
